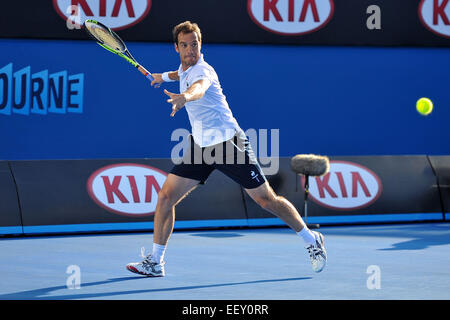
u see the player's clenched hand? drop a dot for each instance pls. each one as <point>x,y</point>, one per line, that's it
<point>157,80</point>
<point>177,100</point>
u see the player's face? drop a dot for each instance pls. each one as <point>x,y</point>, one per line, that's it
<point>188,47</point>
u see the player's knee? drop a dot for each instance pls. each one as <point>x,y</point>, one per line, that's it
<point>164,198</point>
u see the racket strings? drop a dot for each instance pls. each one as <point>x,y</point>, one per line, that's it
<point>105,37</point>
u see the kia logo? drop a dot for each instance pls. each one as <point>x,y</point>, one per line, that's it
<point>347,186</point>
<point>291,17</point>
<point>116,14</point>
<point>435,16</point>
<point>127,188</point>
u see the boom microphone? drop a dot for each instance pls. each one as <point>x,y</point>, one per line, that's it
<point>310,164</point>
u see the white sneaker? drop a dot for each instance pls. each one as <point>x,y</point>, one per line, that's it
<point>317,253</point>
<point>147,267</point>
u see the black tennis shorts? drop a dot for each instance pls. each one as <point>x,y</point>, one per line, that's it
<point>235,158</point>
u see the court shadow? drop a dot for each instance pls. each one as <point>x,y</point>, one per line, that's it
<point>41,293</point>
<point>419,243</point>
<point>418,236</point>
<point>45,293</point>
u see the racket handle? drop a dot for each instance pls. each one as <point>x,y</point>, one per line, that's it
<point>145,72</point>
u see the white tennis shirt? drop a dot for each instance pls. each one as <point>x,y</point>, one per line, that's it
<point>211,119</point>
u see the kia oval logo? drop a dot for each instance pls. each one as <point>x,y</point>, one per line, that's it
<point>435,16</point>
<point>128,189</point>
<point>116,14</point>
<point>291,17</point>
<point>347,186</point>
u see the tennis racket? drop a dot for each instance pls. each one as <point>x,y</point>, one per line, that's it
<point>109,40</point>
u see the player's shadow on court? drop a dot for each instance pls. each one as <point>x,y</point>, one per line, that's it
<point>418,236</point>
<point>419,243</point>
<point>45,293</point>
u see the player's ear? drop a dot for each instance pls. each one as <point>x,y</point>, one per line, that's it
<point>176,47</point>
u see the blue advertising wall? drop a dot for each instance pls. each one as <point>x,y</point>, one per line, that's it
<point>325,100</point>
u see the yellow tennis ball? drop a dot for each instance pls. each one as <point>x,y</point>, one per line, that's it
<point>424,106</point>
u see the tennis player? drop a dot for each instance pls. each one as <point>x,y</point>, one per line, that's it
<point>214,132</point>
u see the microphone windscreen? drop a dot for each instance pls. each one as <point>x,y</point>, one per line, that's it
<point>310,164</point>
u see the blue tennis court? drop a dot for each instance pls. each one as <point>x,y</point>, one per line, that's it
<point>325,96</point>
<point>396,261</point>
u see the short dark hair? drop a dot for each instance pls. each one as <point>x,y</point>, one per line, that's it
<point>186,27</point>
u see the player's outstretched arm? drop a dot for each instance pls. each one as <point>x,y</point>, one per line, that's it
<point>196,91</point>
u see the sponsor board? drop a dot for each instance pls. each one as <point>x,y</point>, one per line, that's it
<point>435,16</point>
<point>350,22</point>
<point>347,186</point>
<point>116,14</point>
<point>121,195</point>
<point>290,17</point>
<point>126,188</point>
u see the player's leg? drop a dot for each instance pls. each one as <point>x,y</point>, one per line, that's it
<point>174,189</point>
<point>277,205</point>
<point>183,178</point>
<point>245,170</point>
<point>242,166</point>
<point>285,210</point>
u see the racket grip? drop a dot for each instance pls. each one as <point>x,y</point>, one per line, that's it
<point>145,73</point>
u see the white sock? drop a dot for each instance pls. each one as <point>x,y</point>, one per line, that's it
<point>307,235</point>
<point>158,252</point>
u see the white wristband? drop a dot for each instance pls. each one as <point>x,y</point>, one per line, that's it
<point>165,77</point>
